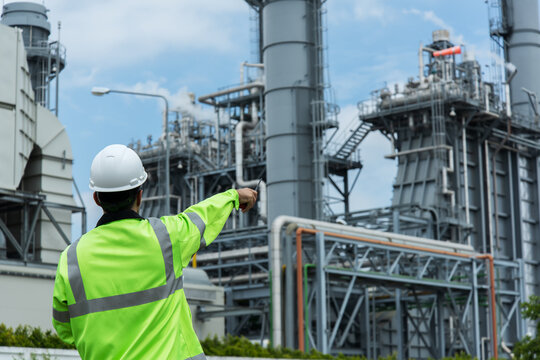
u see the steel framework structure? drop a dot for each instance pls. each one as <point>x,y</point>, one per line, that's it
<point>20,213</point>
<point>363,294</point>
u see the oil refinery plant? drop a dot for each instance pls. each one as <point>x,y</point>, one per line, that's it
<point>442,270</point>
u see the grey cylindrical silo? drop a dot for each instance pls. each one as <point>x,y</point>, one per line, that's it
<point>523,50</point>
<point>288,55</point>
<point>32,19</point>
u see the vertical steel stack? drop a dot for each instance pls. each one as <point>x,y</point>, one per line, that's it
<point>288,52</point>
<point>523,39</point>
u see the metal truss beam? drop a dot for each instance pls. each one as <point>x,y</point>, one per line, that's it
<point>431,300</point>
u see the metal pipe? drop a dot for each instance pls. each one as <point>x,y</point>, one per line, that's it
<point>507,95</point>
<point>488,197</point>
<point>484,339</point>
<point>218,133</point>
<point>57,69</point>
<point>239,157</point>
<point>507,349</point>
<point>465,175</point>
<point>413,151</point>
<point>246,64</point>
<point>445,171</point>
<point>493,302</point>
<point>486,96</point>
<point>322,337</point>
<point>289,291</point>
<point>275,255</point>
<point>300,290</point>
<point>421,64</point>
<point>208,99</point>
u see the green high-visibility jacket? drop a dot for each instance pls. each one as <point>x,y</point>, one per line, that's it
<point>118,290</point>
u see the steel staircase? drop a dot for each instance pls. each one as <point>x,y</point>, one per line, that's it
<point>352,142</point>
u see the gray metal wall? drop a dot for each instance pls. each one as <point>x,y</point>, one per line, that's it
<point>523,51</point>
<point>288,53</point>
<point>36,155</point>
<point>27,294</point>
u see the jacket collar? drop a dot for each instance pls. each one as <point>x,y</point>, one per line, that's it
<point>118,215</point>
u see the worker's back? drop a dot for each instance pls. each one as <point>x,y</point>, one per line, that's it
<point>129,303</point>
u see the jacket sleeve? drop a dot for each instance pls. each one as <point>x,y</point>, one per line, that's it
<point>199,225</point>
<point>60,314</point>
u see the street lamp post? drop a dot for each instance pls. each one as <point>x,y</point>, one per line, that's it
<point>100,91</point>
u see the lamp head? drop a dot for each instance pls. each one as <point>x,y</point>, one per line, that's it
<point>100,91</point>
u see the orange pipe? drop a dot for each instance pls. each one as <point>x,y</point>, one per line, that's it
<point>300,288</point>
<point>493,303</point>
<point>450,51</point>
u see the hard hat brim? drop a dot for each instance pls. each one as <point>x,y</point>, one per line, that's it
<point>120,188</point>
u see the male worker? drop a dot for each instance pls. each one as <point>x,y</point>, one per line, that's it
<point>118,290</point>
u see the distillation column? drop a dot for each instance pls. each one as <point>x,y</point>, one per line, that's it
<point>289,52</point>
<point>523,50</point>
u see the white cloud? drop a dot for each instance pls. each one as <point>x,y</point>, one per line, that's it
<point>385,70</point>
<point>430,16</point>
<point>361,10</point>
<point>115,32</point>
<point>370,9</point>
<point>374,187</point>
<point>80,77</point>
<point>180,100</point>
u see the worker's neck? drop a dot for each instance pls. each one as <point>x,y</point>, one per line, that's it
<point>134,208</point>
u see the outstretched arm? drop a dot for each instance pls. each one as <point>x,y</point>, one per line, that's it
<point>200,224</point>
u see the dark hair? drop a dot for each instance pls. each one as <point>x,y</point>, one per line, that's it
<point>118,201</point>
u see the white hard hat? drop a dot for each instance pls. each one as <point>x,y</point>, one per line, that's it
<point>116,168</point>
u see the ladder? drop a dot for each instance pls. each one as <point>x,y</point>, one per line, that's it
<point>352,142</point>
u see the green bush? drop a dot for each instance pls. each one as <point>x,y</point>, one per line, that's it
<point>240,346</point>
<point>26,336</point>
<point>529,347</point>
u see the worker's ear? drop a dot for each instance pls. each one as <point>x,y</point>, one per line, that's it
<point>139,198</point>
<point>96,199</point>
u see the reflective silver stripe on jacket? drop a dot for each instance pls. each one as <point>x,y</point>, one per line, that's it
<point>166,246</point>
<point>125,300</point>
<point>60,316</point>
<point>74,273</point>
<point>83,306</point>
<point>198,221</point>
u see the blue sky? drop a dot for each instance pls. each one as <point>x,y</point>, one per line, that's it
<point>173,47</point>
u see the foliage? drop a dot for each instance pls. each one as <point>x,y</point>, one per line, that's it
<point>529,347</point>
<point>240,346</point>
<point>460,356</point>
<point>26,336</point>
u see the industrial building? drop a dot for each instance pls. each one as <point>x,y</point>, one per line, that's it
<point>442,270</point>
